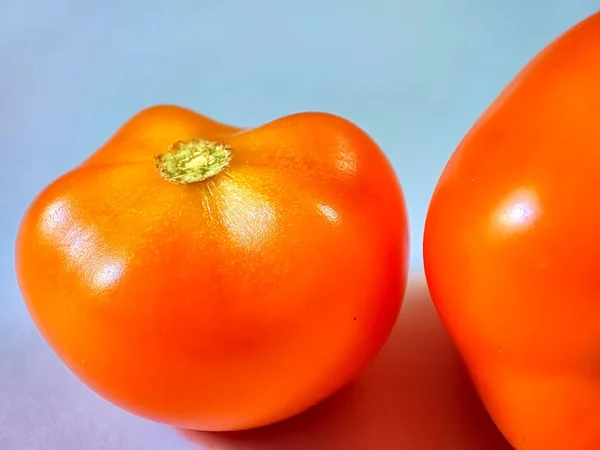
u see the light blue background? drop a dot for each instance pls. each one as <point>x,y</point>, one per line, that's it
<point>414,74</point>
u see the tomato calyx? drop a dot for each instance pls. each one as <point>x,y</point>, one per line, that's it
<point>193,160</point>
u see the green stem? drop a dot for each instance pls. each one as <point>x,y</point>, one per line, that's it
<point>193,160</point>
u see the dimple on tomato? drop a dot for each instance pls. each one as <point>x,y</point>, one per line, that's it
<point>511,247</point>
<point>214,277</point>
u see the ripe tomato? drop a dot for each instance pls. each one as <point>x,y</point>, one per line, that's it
<point>214,277</point>
<point>511,248</point>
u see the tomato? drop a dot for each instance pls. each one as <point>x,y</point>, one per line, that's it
<point>511,247</point>
<point>214,277</point>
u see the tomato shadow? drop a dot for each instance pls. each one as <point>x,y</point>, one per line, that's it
<point>416,396</point>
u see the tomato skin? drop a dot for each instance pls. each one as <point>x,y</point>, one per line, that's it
<point>229,303</point>
<point>511,248</point>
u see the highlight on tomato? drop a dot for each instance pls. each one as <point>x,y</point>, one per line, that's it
<point>215,277</point>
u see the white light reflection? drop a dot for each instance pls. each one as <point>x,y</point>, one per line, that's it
<point>330,213</point>
<point>246,214</point>
<point>108,274</point>
<point>518,211</point>
<point>84,248</point>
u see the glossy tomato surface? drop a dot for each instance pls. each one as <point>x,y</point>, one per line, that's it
<point>227,303</point>
<point>511,247</point>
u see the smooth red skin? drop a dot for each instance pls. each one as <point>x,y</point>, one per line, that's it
<point>225,304</point>
<point>512,244</point>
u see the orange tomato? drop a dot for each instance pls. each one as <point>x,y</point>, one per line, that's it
<point>217,278</point>
<point>511,248</point>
